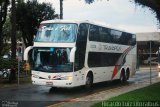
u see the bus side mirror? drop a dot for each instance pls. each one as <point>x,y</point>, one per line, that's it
<point>26,52</point>
<point>72,54</point>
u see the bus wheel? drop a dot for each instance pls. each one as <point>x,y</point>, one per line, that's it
<point>89,81</point>
<point>123,77</point>
<point>127,74</point>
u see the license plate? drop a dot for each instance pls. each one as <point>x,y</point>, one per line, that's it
<point>49,83</point>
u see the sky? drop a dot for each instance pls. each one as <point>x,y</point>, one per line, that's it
<point>119,14</point>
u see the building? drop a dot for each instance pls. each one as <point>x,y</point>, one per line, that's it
<point>144,40</point>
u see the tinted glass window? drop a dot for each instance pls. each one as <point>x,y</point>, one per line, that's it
<point>133,41</point>
<point>105,35</point>
<point>81,46</point>
<point>51,59</point>
<point>126,39</point>
<point>82,32</point>
<point>56,32</point>
<point>115,36</point>
<point>102,34</point>
<point>94,33</point>
<point>99,59</point>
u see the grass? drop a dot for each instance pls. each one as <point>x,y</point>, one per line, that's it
<point>147,94</point>
<point>5,82</point>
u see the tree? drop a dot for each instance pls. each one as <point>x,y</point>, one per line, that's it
<point>13,29</point>
<point>6,31</point>
<point>152,4</point>
<point>3,13</point>
<point>29,15</point>
<point>6,35</point>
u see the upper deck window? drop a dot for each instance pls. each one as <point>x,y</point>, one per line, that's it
<point>56,32</point>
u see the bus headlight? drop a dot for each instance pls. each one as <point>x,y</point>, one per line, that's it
<point>159,66</point>
<point>67,78</point>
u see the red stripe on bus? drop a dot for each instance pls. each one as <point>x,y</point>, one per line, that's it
<point>115,71</point>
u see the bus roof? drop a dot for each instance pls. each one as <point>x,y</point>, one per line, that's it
<point>63,21</point>
<point>85,21</point>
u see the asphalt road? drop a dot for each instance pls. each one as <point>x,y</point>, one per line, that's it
<point>40,96</point>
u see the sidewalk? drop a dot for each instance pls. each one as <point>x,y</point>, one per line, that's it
<point>89,100</point>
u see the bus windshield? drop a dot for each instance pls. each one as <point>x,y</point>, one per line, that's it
<point>56,32</point>
<point>51,60</point>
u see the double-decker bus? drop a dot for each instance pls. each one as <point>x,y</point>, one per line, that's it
<point>69,53</point>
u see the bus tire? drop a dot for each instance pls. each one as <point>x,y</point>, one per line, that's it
<point>123,77</point>
<point>89,80</point>
<point>127,74</point>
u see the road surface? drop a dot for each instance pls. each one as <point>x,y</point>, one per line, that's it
<point>40,96</point>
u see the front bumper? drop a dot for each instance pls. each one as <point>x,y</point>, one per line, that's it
<point>53,83</point>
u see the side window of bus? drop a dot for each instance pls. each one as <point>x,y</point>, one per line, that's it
<point>100,59</point>
<point>116,35</point>
<point>81,46</point>
<point>127,39</point>
<point>105,35</point>
<point>133,41</point>
<point>82,32</point>
<point>94,33</point>
<point>123,39</point>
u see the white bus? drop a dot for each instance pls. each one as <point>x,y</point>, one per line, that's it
<point>75,53</point>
